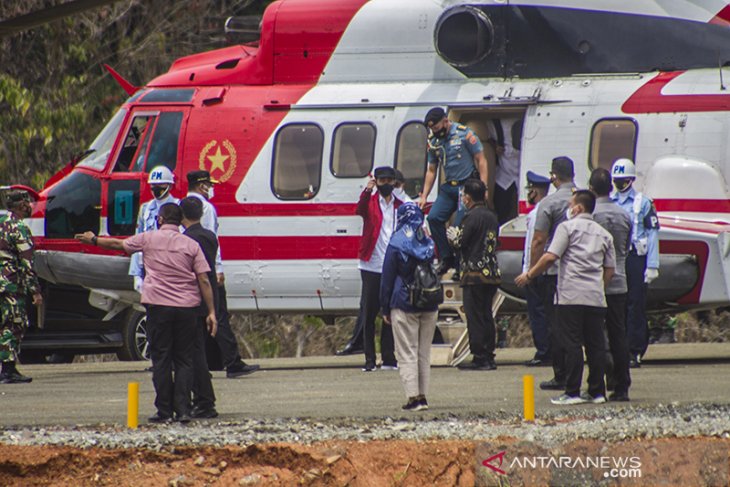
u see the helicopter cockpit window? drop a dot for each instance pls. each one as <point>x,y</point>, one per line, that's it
<point>163,151</point>
<point>297,164</point>
<point>612,139</point>
<point>135,143</point>
<point>353,149</point>
<point>410,156</point>
<point>102,145</point>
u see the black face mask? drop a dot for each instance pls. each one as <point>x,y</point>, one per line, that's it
<point>531,197</point>
<point>440,134</point>
<point>385,189</point>
<point>621,184</point>
<point>159,191</point>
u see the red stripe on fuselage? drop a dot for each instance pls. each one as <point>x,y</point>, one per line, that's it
<point>649,99</point>
<point>722,17</point>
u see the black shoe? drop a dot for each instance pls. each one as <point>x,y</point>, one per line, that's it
<point>538,362</point>
<point>552,385</point>
<point>369,367</point>
<point>239,369</point>
<point>349,349</point>
<point>487,365</point>
<point>183,418</point>
<point>415,404</point>
<point>203,413</point>
<point>14,378</point>
<point>456,276</point>
<point>619,397</point>
<point>159,418</point>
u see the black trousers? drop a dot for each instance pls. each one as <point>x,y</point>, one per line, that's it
<point>617,343</point>
<point>369,309</point>
<point>538,322</point>
<point>637,328</point>
<point>357,333</point>
<point>171,333</point>
<point>203,395</point>
<point>225,338</point>
<point>479,320</point>
<point>580,326</point>
<point>550,288</point>
<point>505,203</point>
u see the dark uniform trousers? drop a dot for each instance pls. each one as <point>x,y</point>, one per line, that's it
<point>617,344</point>
<point>550,288</point>
<point>538,322</point>
<point>203,395</point>
<point>505,203</point>
<point>580,326</point>
<point>369,309</point>
<point>479,320</point>
<point>171,333</point>
<point>637,328</point>
<point>224,337</point>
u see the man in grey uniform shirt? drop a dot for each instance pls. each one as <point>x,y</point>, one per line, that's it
<point>618,223</point>
<point>587,262</point>
<point>550,214</point>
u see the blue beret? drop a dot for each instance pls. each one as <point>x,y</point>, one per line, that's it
<point>534,179</point>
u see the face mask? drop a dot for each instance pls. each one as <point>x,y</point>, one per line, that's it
<point>531,197</point>
<point>211,193</point>
<point>400,194</point>
<point>160,191</point>
<point>385,189</point>
<point>623,185</point>
<point>569,213</point>
<point>440,134</point>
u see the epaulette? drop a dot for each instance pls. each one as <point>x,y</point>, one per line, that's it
<point>461,127</point>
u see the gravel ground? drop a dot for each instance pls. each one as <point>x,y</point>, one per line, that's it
<point>606,424</point>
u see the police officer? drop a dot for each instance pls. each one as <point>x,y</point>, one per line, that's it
<point>550,214</point>
<point>642,263</point>
<point>160,180</point>
<point>17,280</point>
<point>461,156</point>
<point>537,189</point>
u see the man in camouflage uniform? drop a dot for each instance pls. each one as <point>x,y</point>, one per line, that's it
<point>17,280</point>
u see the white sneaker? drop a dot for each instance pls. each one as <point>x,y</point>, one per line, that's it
<point>388,367</point>
<point>599,399</point>
<point>567,400</point>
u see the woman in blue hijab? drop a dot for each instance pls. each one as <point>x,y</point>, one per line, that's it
<point>413,328</point>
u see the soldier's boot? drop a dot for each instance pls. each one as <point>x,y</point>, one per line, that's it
<point>10,375</point>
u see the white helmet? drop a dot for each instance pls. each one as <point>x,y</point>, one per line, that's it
<point>161,175</point>
<point>623,168</point>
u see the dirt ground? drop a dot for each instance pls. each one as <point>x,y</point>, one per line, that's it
<point>372,464</point>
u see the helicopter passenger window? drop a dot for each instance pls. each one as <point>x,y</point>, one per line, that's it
<point>163,150</point>
<point>353,149</point>
<point>410,156</point>
<point>297,164</point>
<point>612,139</point>
<point>135,140</point>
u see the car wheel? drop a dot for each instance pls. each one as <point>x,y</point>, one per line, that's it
<point>136,346</point>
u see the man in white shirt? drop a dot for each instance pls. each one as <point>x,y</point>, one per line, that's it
<point>537,188</point>
<point>506,136</point>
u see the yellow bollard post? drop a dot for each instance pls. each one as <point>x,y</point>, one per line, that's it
<point>133,405</point>
<point>528,387</point>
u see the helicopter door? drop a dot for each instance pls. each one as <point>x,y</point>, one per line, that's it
<point>152,138</point>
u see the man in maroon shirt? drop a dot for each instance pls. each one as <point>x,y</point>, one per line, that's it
<point>176,277</point>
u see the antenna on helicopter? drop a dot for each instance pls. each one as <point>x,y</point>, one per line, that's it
<point>720,66</point>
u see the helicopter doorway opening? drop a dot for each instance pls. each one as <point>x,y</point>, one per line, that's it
<point>500,131</point>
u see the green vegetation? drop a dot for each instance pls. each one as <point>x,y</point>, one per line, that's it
<point>55,95</point>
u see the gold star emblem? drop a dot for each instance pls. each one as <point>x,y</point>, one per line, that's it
<point>218,160</point>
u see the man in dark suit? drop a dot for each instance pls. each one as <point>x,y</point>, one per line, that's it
<point>203,395</point>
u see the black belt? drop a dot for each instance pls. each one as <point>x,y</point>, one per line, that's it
<point>456,183</point>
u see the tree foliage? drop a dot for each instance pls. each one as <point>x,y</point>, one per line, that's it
<point>55,95</point>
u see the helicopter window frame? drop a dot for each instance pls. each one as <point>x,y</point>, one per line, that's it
<point>277,165</point>
<point>397,158</point>
<point>336,144</point>
<point>103,144</point>
<point>596,141</point>
<point>151,116</point>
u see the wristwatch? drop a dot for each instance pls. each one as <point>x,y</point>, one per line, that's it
<point>94,240</point>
